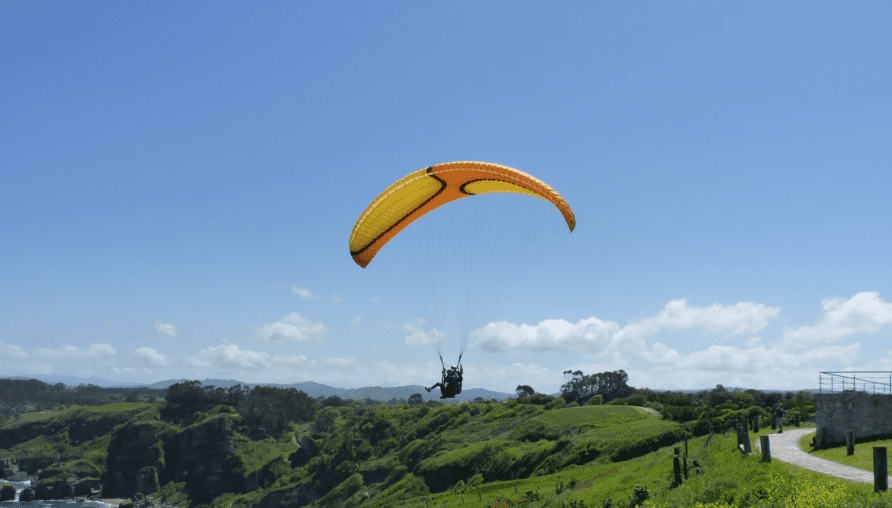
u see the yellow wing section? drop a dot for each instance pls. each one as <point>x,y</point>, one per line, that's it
<point>426,189</point>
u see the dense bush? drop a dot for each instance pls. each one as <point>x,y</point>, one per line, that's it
<point>344,490</point>
<point>555,404</point>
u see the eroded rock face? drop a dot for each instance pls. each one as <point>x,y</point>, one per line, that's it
<point>308,449</point>
<point>140,460</point>
<point>202,456</point>
<point>8,467</point>
<point>33,464</point>
<point>134,461</point>
<point>88,487</point>
<point>54,488</point>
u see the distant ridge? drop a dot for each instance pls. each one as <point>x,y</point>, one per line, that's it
<point>315,390</point>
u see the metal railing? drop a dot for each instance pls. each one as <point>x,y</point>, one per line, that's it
<point>834,382</point>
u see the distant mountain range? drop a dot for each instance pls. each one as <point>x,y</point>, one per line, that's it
<point>317,389</point>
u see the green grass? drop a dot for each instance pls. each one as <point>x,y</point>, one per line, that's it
<point>729,479</point>
<point>37,416</point>
<point>863,457</point>
<point>256,454</point>
<point>117,407</point>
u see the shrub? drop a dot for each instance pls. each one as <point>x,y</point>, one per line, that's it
<point>475,481</point>
<point>555,404</point>
<point>346,489</point>
<point>636,400</point>
<point>640,495</point>
<point>534,430</point>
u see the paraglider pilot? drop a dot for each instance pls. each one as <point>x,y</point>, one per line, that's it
<point>450,386</point>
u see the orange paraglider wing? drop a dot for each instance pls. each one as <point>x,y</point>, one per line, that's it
<point>426,189</point>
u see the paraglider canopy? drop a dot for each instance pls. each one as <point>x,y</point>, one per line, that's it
<point>424,190</point>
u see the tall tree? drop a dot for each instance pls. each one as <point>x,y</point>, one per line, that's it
<point>524,391</point>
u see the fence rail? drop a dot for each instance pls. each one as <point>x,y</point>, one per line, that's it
<point>873,381</point>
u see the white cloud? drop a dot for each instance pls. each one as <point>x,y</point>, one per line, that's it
<point>310,295</point>
<point>421,336</point>
<point>594,335</point>
<point>865,312</point>
<point>97,350</point>
<point>149,355</point>
<point>737,319</point>
<point>11,351</point>
<point>356,321</point>
<point>753,342</point>
<point>340,362</point>
<point>165,329</point>
<point>591,335</point>
<point>718,358</point>
<point>68,351</point>
<point>304,293</point>
<point>292,328</point>
<point>230,356</point>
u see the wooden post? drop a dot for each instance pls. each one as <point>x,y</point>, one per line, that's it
<point>798,420</point>
<point>773,422</point>
<point>747,446</point>
<point>685,458</point>
<point>676,464</point>
<point>766,448</point>
<point>880,469</point>
<point>850,442</point>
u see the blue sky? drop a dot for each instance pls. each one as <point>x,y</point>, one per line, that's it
<point>178,183</point>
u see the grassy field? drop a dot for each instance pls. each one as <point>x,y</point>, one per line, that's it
<point>863,457</point>
<point>36,416</point>
<point>729,479</point>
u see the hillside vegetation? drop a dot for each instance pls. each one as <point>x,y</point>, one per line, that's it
<point>205,446</point>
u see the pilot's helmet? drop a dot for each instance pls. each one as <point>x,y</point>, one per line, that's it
<point>454,367</point>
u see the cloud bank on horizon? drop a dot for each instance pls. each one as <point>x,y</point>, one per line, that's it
<point>594,342</point>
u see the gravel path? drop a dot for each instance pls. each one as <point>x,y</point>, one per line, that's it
<point>785,447</point>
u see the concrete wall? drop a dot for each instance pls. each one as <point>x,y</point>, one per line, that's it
<point>867,414</point>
